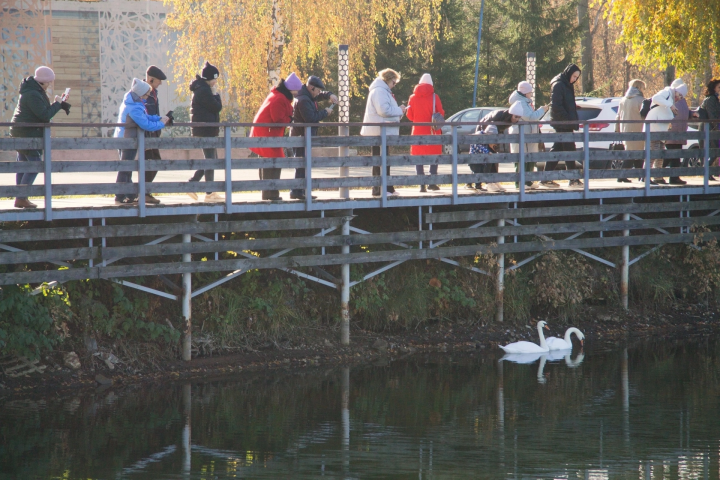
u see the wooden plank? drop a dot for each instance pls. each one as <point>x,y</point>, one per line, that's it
<point>144,270</point>
<point>538,212</point>
<point>161,229</point>
<point>10,143</point>
<point>98,253</point>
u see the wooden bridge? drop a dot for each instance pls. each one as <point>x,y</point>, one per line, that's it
<point>78,228</point>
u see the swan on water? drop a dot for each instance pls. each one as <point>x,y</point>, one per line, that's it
<point>555,343</point>
<point>529,347</point>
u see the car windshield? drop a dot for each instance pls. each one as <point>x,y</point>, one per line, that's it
<point>471,116</point>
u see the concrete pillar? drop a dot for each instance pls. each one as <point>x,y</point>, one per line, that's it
<point>500,277</point>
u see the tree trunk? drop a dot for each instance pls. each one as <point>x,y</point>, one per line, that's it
<point>669,75</point>
<point>277,43</point>
<point>586,47</point>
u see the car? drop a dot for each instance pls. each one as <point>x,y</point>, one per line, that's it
<point>472,115</point>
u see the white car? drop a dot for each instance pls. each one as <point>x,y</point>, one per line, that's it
<point>468,115</point>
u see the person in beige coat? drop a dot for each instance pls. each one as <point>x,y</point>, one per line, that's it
<point>629,109</point>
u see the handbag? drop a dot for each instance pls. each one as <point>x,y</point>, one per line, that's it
<point>616,146</point>
<point>437,118</point>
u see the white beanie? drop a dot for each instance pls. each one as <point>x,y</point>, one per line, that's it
<point>139,87</point>
<point>524,87</point>
<point>426,78</point>
<point>679,86</point>
<point>516,109</point>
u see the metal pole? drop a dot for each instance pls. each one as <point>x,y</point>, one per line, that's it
<point>186,312</point>
<point>454,166</point>
<point>586,159</point>
<point>345,413</point>
<point>647,159</point>
<point>420,243</point>
<point>344,109</point>
<point>187,430</point>
<point>228,170</point>
<point>308,168</point>
<point>500,276</point>
<point>706,163</point>
<point>477,56</point>
<point>521,165</point>
<point>141,172</point>
<point>625,267</point>
<point>345,293</point>
<point>48,173</point>
<point>383,166</point>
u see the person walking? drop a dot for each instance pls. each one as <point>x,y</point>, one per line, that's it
<point>500,121</point>
<point>205,107</point>
<point>153,77</point>
<point>306,110</point>
<point>422,105</point>
<point>132,113</point>
<point>660,114</point>
<point>523,95</point>
<point>678,125</point>
<point>629,109</point>
<point>33,106</point>
<point>711,105</point>
<point>277,108</point>
<point>563,108</point>
<point>381,107</point>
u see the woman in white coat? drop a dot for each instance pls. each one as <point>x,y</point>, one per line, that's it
<point>523,94</point>
<point>381,107</point>
<point>661,112</point>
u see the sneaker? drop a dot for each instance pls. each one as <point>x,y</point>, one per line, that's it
<point>24,203</point>
<point>660,181</point>
<point>480,188</point>
<point>575,183</point>
<point>392,193</point>
<point>192,195</point>
<point>549,184</point>
<point>151,200</point>
<point>434,188</point>
<point>376,191</point>
<point>531,185</point>
<point>423,189</point>
<point>391,189</point>
<point>495,187</point>
<point>214,197</point>
<point>712,178</point>
<point>677,181</point>
<point>299,196</point>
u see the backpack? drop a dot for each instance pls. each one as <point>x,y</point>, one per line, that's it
<point>645,108</point>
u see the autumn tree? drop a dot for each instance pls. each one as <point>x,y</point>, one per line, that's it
<point>256,42</point>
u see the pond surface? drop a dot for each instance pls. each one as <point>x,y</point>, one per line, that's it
<point>645,412</point>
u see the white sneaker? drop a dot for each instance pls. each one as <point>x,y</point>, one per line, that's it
<point>494,187</point>
<point>214,197</point>
<point>192,195</point>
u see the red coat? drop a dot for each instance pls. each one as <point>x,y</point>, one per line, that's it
<point>277,108</point>
<point>420,110</point>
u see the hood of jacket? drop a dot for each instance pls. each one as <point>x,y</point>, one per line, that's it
<point>198,83</point>
<point>633,92</point>
<point>422,90</point>
<point>518,97</point>
<point>29,84</point>
<point>131,99</point>
<point>380,83</point>
<point>664,98</point>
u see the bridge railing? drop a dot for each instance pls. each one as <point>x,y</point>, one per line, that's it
<point>235,181</point>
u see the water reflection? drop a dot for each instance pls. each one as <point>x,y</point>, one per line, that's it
<point>552,416</point>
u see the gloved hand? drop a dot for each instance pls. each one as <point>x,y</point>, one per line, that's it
<point>65,106</point>
<point>171,119</point>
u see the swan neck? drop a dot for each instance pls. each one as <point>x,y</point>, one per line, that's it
<point>543,344</point>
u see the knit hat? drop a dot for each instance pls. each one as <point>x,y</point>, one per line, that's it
<point>155,72</point>
<point>209,72</point>
<point>524,87</point>
<point>426,78</point>
<point>516,109</point>
<point>292,82</point>
<point>491,130</point>
<point>139,87</point>
<point>679,86</point>
<point>44,75</point>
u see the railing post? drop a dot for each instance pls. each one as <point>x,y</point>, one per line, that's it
<point>47,157</point>
<point>90,241</point>
<point>499,301</point>
<point>625,267</point>
<point>228,169</point>
<point>186,307</point>
<point>345,292</point>
<point>706,163</point>
<point>521,165</point>
<point>308,168</point>
<point>430,224</point>
<point>383,166</point>
<point>454,165</point>
<point>344,151</point>
<point>141,171</point>
<point>586,159</point>
<point>647,159</point>
<point>420,243</point>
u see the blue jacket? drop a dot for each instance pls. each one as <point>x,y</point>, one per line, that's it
<point>136,109</point>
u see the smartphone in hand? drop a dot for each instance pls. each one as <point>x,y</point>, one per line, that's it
<point>65,95</point>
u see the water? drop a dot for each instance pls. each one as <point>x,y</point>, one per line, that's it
<point>645,412</point>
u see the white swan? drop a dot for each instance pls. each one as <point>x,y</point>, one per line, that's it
<point>555,343</point>
<point>529,347</point>
<point>523,358</point>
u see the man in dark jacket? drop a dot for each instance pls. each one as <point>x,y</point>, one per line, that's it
<point>205,107</point>
<point>563,108</point>
<point>34,107</point>
<point>153,77</point>
<point>306,110</point>
<point>501,120</point>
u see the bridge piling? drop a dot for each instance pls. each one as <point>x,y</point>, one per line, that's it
<point>625,267</point>
<point>186,306</point>
<point>499,312</point>
<point>345,288</point>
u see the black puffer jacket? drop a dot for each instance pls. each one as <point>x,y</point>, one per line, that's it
<point>563,105</point>
<point>306,111</point>
<point>502,116</point>
<point>33,107</point>
<point>711,104</point>
<point>204,107</point>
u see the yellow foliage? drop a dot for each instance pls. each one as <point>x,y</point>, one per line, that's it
<point>238,36</point>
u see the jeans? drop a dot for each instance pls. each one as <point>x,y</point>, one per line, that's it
<point>125,177</point>
<point>153,154</point>
<point>420,169</point>
<point>27,178</point>
<point>208,153</point>
<point>672,162</point>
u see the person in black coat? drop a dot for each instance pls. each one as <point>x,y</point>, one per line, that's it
<point>306,110</point>
<point>205,107</point>
<point>153,77</point>
<point>563,108</point>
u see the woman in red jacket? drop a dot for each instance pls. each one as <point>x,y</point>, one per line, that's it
<point>420,110</point>
<point>277,108</point>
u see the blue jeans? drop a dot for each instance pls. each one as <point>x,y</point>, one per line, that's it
<point>208,153</point>
<point>25,178</point>
<point>125,177</point>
